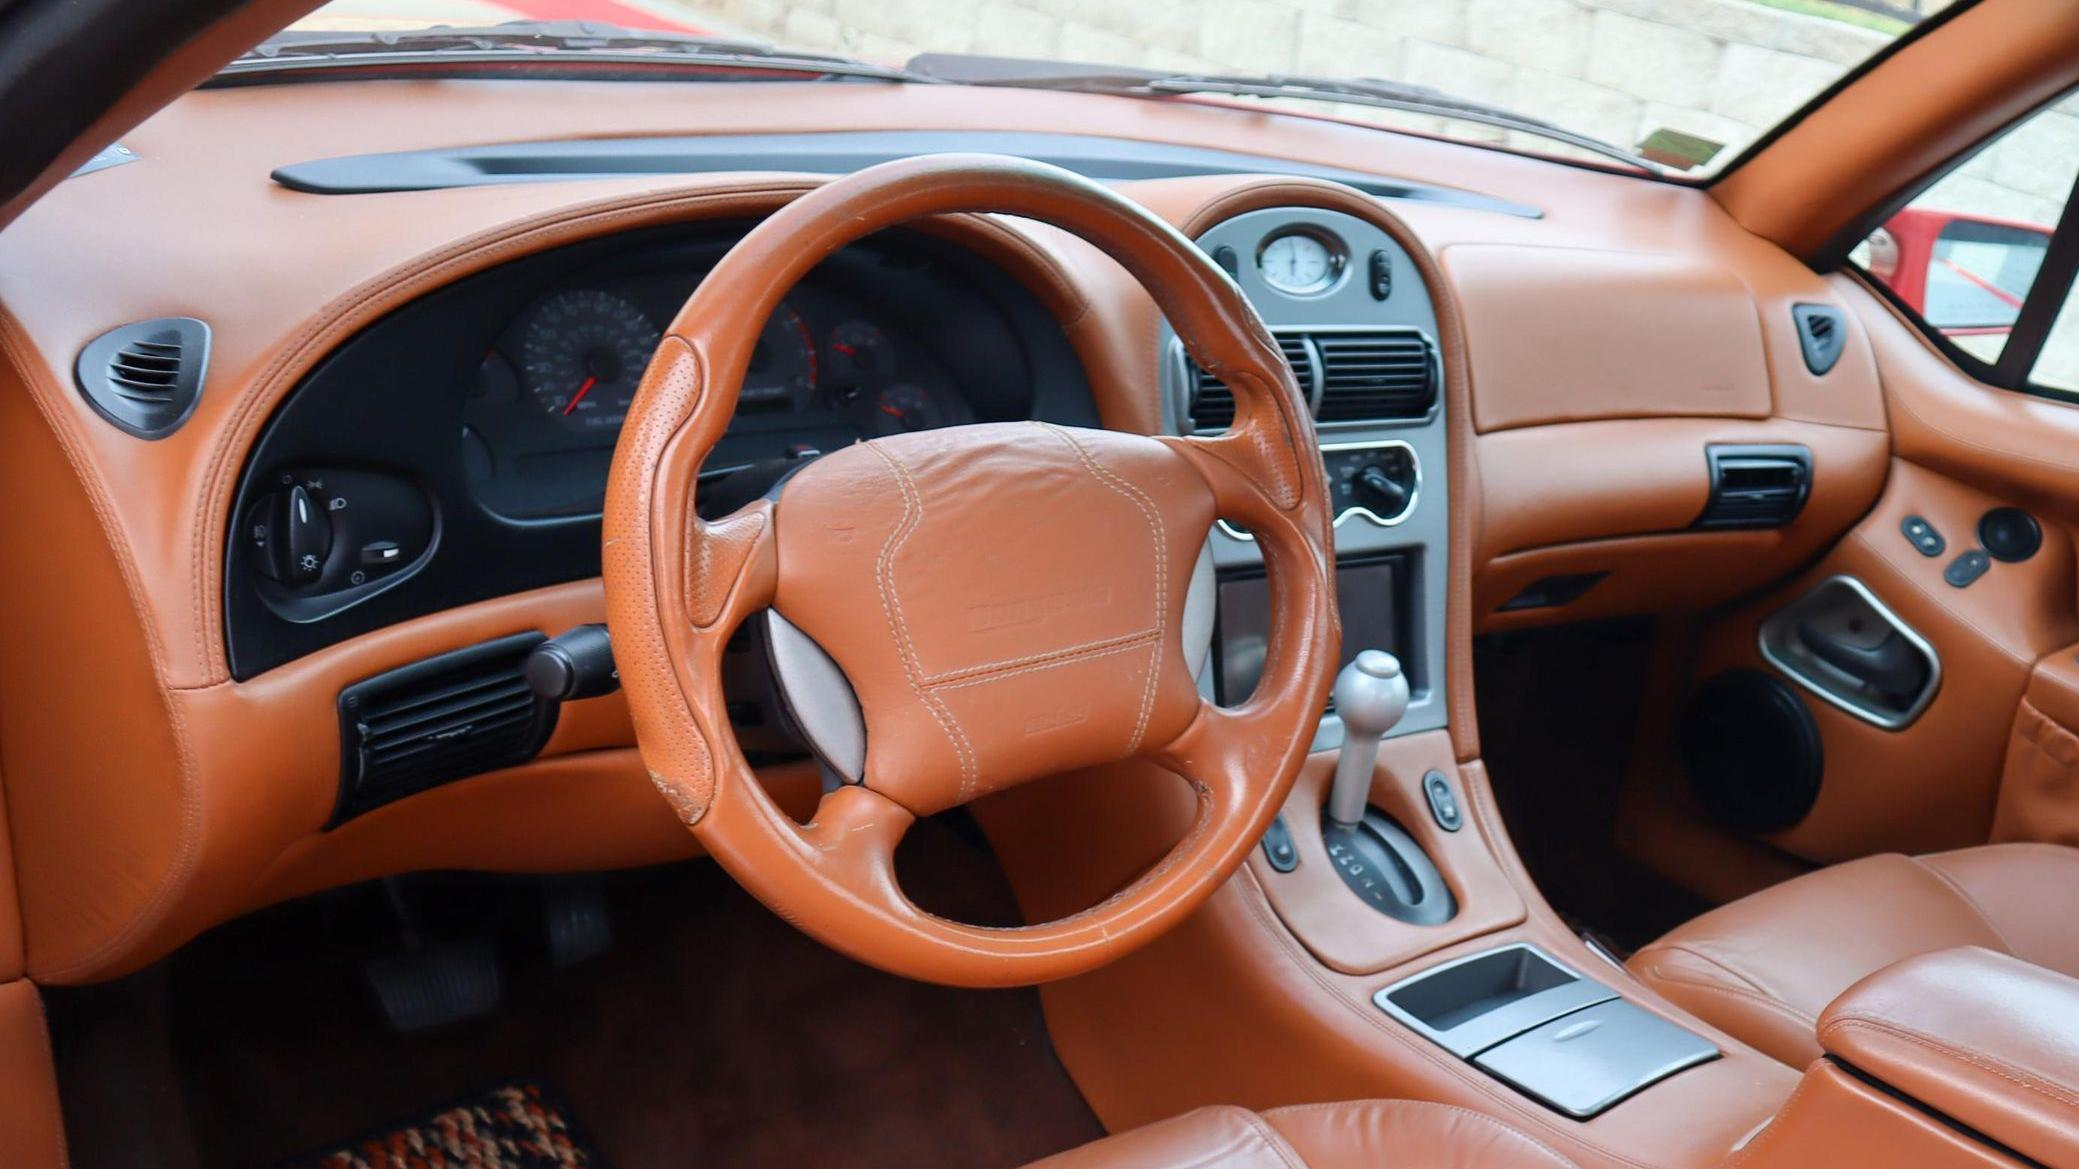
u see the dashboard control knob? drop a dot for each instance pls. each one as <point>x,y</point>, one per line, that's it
<point>306,535</point>
<point>288,535</point>
<point>1380,492</point>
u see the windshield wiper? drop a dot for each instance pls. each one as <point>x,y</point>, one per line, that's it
<point>1023,73</point>
<point>538,41</point>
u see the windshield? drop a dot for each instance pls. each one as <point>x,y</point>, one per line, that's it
<point>1676,86</point>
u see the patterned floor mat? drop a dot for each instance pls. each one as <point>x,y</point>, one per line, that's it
<point>516,1126</point>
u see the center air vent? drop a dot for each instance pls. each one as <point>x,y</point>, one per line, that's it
<point>1756,486</point>
<point>455,715</point>
<point>1212,403</point>
<point>1380,375</point>
<point>1385,376</point>
<point>146,377</point>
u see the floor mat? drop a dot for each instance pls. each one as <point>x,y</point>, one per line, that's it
<point>515,1126</point>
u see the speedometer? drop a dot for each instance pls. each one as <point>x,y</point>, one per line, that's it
<point>583,354</point>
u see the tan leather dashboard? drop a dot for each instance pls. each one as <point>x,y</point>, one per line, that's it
<point>150,796</point>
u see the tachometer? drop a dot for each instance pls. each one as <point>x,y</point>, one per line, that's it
<point>583,354</point>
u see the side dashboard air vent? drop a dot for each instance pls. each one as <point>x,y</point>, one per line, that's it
<point>146,377</point>
<point>1212,403</point>
<point>1387,376</point>
<point>1756,486</point>
<point>441,719</point>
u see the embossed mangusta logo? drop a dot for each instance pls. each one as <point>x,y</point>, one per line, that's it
<point>1054,720</point>
<point>1031,610</point>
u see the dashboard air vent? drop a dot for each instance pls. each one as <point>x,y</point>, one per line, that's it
<point>441,719</point>
<point>1385,376</point>
<point>146,377</point>
<point>1756,486</point>
<point>1212,403</point>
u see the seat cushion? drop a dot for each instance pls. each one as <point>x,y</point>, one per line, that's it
<point>1765,966</point>
<point>1364,1134</point>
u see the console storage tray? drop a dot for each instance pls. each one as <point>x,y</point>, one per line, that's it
<point>1566,1041</point>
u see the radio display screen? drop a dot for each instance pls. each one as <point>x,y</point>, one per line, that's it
<point>1372,594</point>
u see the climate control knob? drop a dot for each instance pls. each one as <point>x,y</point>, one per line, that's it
<point>1380,492</point>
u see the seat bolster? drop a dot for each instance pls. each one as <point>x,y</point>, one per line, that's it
<point>1728,1002</point>
<point>2025,892</point>
<point>1219,1137</point>
<point>1763,967</point>
<point>1390,1134</point>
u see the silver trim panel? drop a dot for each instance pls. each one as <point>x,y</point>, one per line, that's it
<point>1772,637</point>
<point>1393,521</point>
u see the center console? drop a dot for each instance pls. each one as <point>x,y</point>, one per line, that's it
<point>1349,309</point>
<point>1384,941</point>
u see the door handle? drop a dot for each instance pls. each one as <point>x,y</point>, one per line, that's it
<point>1892,667</point>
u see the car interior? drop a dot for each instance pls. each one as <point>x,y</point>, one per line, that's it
<point>596,583</point>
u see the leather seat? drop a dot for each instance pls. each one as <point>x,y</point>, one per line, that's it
<point>1371,1134</point>
<point>1765,966</point>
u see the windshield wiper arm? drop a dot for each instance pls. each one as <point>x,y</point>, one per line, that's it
<point>1022,73</point>
<point>539,40</point>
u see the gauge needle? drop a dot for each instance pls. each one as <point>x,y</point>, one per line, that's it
<point>580,395</point>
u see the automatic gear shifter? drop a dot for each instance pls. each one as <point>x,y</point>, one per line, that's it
<point>1374,856</point>
<point>1371,694</point>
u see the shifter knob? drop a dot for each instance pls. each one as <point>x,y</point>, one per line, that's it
<point>1371,695</point>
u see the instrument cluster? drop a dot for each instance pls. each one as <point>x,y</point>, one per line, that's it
<point>457,449</point>
<point>833,365</point>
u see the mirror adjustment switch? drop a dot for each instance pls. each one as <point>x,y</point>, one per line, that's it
<point>1967,568</point>
<point>1923,536</point>
<point>1443,802</point>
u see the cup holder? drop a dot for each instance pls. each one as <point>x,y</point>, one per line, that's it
<point>1474,1003</point>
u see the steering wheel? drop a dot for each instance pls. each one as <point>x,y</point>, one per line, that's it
<point>1004,600</point>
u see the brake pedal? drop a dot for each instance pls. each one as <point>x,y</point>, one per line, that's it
<point>437,984</point>
<point>575,915</point>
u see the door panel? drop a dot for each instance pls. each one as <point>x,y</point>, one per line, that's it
<point>1995,754</point>
<point>1933,784</point>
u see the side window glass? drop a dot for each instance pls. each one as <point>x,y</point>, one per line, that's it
<point>1965,253</point>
